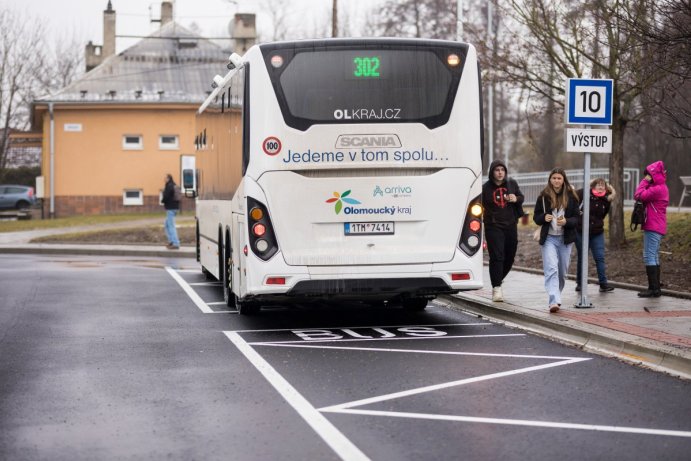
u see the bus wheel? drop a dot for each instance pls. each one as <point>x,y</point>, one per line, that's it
<point>207,274</point>
<point>247,307</point>
<point>414,304</point>
<point>228,295</point>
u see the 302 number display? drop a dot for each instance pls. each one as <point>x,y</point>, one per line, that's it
<point>366,66</point>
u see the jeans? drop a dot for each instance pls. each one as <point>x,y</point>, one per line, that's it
<point>501,245</point>
<point>651,248</point>
<point>171,232</point>
<point>596,244</point>
<point>555,264</point>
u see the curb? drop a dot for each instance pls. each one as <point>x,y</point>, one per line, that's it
<point>590,338</point>
<point>97,251</point>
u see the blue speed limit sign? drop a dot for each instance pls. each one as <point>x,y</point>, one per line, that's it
<point>589,101</point>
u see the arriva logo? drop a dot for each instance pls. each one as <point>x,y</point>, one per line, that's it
<point>346,141</point>
<point>340,198</point>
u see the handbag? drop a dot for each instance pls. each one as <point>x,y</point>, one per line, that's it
<point>638,215</point>
<point>538,231</point>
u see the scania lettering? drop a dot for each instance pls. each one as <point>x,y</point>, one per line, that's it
<point>358,182</point>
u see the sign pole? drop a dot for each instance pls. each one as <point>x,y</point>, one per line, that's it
<point>585,235</point>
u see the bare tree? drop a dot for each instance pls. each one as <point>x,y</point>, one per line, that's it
<point>417,18</point>
<point>20,62</point>
<point>278,12</point>
<point>561,35</point>
<point>29,67</point>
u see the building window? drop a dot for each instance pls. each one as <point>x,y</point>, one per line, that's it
<point>132,197</point>
<point>168,142</point>
<point>132,142</point>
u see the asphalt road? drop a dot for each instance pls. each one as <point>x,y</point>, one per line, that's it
<point>133,358</point>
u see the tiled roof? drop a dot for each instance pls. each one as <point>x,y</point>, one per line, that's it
<point>171,65</point>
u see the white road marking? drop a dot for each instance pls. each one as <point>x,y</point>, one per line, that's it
<point>436,387</point>
<point>311,341</point>
<point>206,284</point>
<point>190,292</point>
<point>516,422</point>
<point>215,303</point>
<point>370,326</point>
<point>417,351</point>
<point>327,431</point>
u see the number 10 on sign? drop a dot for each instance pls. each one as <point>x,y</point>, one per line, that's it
<point>589,101</point>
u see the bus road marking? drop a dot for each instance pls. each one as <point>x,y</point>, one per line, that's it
<point>317,421</point>
<point>339,340</point>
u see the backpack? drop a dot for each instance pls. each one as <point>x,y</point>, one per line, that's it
<point>177,193</point>
<point>638,215</point>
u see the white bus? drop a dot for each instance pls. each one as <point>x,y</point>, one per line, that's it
<point>342,169</point>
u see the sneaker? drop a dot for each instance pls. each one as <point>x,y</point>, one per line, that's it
<point>606,288</point>
<point>553,308</point>
<point>172,247</point>
<point>497,295</point>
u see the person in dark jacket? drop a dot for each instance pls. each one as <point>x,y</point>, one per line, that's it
<point>172,206</point>
<point>601,196</point>
<point>501,200</point>
<point>653,192</point>
<point>556,211</point>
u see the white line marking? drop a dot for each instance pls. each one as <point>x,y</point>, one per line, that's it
<point>215,303</point>
<point>187,271</point>
<point>312,341</point>
<point>369,326</point>
<point>518,422</point>
<point>327,431</point>
<point>436,387</point>
<point>418,351</point>
<point>206,284</point>
<point>190,292</point>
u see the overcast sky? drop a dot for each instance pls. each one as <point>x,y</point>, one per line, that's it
<point>84,18</point>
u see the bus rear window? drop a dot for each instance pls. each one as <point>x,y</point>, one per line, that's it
<point>364,85</point>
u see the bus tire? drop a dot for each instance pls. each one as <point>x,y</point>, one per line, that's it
<point>228,295</point>
<point>247,307</point>
<point>414,304</point>
<point>199,245</point>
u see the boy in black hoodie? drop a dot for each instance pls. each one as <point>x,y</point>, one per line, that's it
<point>501,200</point>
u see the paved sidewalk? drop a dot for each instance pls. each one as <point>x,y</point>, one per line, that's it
<point>653,332</point>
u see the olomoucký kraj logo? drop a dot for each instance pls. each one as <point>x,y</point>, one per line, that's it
<point>340,198</point>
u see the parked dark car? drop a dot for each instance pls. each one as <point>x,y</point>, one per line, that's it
<point>16,197</point>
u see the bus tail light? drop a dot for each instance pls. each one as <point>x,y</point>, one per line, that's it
<point>276,281</point>
<point>471,234</point>
<point>262,238</point>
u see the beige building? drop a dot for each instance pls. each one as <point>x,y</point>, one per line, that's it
<point>109,138</point>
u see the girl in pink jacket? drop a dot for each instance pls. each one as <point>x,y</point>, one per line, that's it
<point>653,192</point>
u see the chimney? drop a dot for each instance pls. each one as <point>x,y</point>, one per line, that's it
<point>108,31</point>
<point>166,13</point>
<point>243,31</point>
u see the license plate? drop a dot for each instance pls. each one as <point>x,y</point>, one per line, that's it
<point>369,228</point>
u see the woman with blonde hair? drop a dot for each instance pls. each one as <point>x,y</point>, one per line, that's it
<point>556,211</point>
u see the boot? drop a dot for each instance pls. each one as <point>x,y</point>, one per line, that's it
<point>653,290</point>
